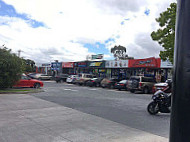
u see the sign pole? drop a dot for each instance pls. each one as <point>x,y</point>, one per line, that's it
<point>180,116</point>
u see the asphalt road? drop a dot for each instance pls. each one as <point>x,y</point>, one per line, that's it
<point>118,106</point>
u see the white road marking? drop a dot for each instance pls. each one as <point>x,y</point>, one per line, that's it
<point>92,89</point>
<point>67,89</point>
<point>74,90</point>
<point>68,84</point>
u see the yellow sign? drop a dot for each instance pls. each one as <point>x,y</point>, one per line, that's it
<point>95,64</point>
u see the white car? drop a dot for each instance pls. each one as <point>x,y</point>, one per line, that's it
<point>71,78</point>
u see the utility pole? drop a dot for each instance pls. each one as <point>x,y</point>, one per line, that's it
<point>19,51</point>
<point>180,115</point>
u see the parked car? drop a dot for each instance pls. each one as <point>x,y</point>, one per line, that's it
<point>34,75</point>
<point>40,76</point>
<point>160,86</point>
<point>121,85</point>
<point>94,82</point>
<point>109,82</point>
<point>26,81</point>
<point>71,78</point>
<point>61,78</point>
<point>141,83</point>
<point>83,78</point>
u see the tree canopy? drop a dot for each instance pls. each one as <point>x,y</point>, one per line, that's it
<point>29,65</point>
<point>165,35</point>
<point>11,67</point>
<point>119,52</point>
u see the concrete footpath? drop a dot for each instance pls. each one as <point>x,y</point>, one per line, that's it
<point>24,118</point>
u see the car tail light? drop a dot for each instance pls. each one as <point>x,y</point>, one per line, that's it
<point>140,84</point>
<point>109,81</point>
<point>115,83</point>
<point>122,84</point>
<point>92,81</point>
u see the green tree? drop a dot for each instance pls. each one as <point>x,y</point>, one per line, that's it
<point>119,52</point>
<point>11,67</point>
<point>166,34</point>
<point>29,65</point>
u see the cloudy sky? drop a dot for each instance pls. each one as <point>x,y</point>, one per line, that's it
<point>68,30</point>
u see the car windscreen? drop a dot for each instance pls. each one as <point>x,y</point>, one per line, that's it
<point>123,81</point>
<point>148,79</point>
<point>135,78</point>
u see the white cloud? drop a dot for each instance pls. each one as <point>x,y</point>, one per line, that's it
<point>71,23</point>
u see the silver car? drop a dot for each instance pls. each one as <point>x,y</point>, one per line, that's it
<point>71,78</point>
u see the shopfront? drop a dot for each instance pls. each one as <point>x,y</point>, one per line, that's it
<point>117,69</point>
<point>97,68</point>
<point>56,68</point>
<point>81,67</point>
<point>68,68</point>
<point>145,67</point>
<point>166,69</point>
<point>44,68</point>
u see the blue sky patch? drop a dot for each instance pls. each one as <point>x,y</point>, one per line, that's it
<point>110,39</point>
<point>97,48</point>
<point>9,11</point>
<point>147,12</point>
<point>127,19</point>
<point>123,22</point>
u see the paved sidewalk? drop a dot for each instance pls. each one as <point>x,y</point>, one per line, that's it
<point>24,118</point>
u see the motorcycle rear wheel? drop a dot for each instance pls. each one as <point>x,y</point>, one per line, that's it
<point>152,108</point>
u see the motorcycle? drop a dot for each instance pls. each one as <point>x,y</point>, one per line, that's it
<point>161,102</point>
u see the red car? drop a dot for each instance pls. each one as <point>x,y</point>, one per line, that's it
<point>25,81</point>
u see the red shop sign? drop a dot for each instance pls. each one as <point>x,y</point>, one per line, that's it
<point>67,64</point>
<point>146,63</point>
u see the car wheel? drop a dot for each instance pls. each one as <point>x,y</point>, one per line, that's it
<point>146,90</point>
<point>132,91</point>
<point>119,89</point>
<point>37,85</point>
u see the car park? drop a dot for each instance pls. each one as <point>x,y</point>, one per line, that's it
<point>94,82</point>
<point>45,77</point>
<point>39,76</point>
<point>141,83</point>
<point>122,85</point>
<point>26,81</point>
<point>34,75</point>
<point>83,78</point>
<point>109,82</point>
<point>61,78</point>
<point>71,78</point>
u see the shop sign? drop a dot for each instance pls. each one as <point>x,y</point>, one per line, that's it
<point>56,66</point>
<point>117,64</point>
<point>98,56</point>
<point>46,65</point>
<point>67,65</point>
<point>147,63</point>
<point>95,64</point>
<point>166,64</point>
<point>102,70</point>
<point>80,64</point>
